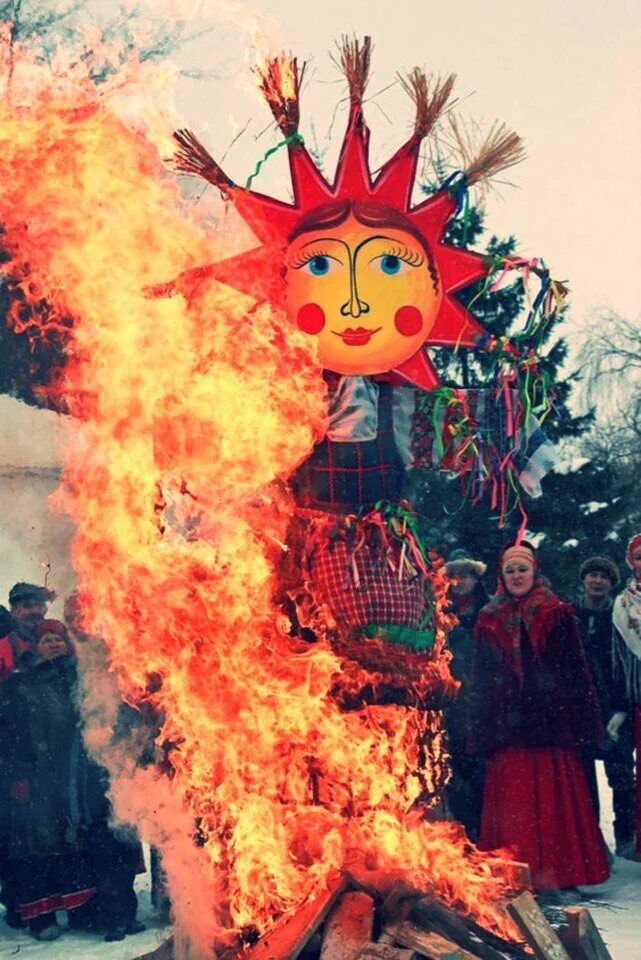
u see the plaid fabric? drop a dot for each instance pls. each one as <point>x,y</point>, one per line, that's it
<point>344,477</point>
<point>360,588</point>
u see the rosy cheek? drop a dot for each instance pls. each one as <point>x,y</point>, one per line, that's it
<point>408,321</point>
<point>311,318</point>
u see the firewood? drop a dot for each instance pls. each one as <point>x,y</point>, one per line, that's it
<point>538,933</point>
<point>430,913</point>
<point>163,952</point>
<point>385,951</point>
<point>518,874</point>
<point>431,945</point>
<point>349,927</point>
<point>583,938</point>
<point>377,882</point>
<point>288,937</point>
<point>399,902</point>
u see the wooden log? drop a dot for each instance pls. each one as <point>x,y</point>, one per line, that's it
<point>377,882</point>
<point>429,944</point>
<point>583,938</point>
<point>430,913</point>
<point>384,951</point>
<point>165,951</point>
<point>288,937</point>
<point>399,902</point>
<point>517,873</point>
<point>349,927</point>
<point>537,932</point>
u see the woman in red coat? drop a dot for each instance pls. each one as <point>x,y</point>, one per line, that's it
<point>533,707</point>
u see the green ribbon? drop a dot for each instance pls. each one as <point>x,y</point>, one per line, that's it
<point>410,637</point>
<point>466,216</point>
<point>495,262</point>
<point>293,138</point>
<point>396,511</point>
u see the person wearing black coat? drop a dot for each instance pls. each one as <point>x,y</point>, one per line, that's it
<point>467,595</point>
<point>599,576</point>
<point>27,607</point>
<point>48,823</point>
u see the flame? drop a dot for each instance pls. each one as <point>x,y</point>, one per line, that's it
<point>192,419</point>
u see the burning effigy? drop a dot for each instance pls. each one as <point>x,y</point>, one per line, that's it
<point>244,424</point>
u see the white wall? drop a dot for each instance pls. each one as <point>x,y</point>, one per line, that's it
<point>34,538</point>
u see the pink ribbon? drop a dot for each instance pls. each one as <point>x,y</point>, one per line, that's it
<point>513,263</point>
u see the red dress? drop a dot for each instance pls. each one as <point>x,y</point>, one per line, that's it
<point>536,803</point>
<point>532,708</point>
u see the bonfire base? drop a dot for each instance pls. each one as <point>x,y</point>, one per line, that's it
<point>375,917</point>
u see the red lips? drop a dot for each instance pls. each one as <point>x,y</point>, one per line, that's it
<point>357,336</point>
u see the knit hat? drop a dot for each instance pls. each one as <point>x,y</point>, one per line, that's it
<point>600,565</point>
<point>30,591</point>
<point>461,562</point>
<point>50,626</point>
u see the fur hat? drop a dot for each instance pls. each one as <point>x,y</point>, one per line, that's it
<point>461,562</point>
<point>601,565</point>
<point>30,591</point>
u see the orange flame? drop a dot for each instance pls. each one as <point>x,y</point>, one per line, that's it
<point>215,406</point>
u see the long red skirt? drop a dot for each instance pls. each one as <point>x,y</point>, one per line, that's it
<point>536,802</point>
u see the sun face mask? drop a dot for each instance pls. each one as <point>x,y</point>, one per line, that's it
<point>369,294</point>
<point>374,291</point>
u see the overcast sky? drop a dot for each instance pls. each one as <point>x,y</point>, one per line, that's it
<point>565,75</point>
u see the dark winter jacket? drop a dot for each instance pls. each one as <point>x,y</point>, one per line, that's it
<point>595,627</point>
<point>552,702</point>
<point>50,774</point>
<point>460,641</point>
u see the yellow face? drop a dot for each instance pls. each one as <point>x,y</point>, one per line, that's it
<point>365,292</point>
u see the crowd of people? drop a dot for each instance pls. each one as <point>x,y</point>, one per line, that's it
<point>59,850</point>
<point>546,689</point>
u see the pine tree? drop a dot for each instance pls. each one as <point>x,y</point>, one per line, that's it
<point>582,510</point>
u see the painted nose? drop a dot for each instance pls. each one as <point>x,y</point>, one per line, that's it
<point>354,307</point>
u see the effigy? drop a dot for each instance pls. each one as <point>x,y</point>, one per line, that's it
<point>244,426</point>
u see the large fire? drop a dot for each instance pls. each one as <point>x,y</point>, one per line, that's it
<point>189,419</point>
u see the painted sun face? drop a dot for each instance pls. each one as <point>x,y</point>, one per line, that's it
<point>365,292</point>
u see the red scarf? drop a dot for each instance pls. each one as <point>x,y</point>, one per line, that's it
<point>501,621</point>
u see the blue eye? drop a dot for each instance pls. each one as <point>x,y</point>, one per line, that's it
<point>390,264</point>
<point>319,266</point>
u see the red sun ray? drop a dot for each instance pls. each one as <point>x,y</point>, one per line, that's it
<point>258,273</point>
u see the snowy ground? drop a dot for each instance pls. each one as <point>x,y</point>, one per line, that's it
<point>89,946</point>
<point>615,906</point>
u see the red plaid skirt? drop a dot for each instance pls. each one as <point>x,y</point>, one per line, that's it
<point>361,588</point>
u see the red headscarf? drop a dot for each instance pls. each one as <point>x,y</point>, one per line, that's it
<point>501,621</point>
<point>631,547</point>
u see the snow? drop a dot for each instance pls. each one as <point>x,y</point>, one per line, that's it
<point>593,506</point>
<point>90,946</point>
<point>615,907</point>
